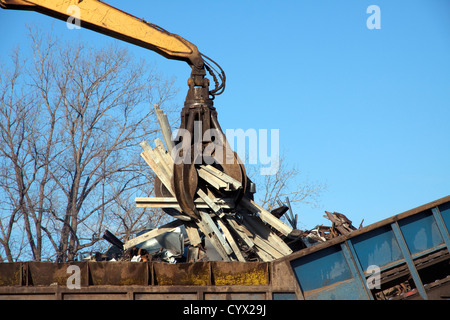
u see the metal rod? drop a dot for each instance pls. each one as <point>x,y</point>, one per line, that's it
<point>409,261</point>
<point>108,236</point>
<point>441,226</point>
<point>360,271</point>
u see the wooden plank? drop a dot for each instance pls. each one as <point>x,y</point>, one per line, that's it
<point>230,240</point>
<point>144,144</point>
<point>266,216</point>
<point>154,161</point>
<point>245,235</point>
<point>213,180</point>
<point>264,255</point>
<point>221,175</point>
<point>262,230</point>
<point>206,219</point>
<point>156,200</point>
<point>263,244</point>
<point>340,222</point>
<point>273,241</point>
<point>240,231</point>
<point>164,154</point>
<point>171,202</point>
<point>159,173</point>
<point>208,232</point>
<point>266,239</point>
<point>165,128</point>
<point>192,232</point>
<point>153,233</point>
<point>210,202</point>
<point>160,161</point>
<point>264,250</point>
<point>159,144</point>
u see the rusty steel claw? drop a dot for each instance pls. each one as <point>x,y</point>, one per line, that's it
<point>186,183</point>
<point>161,191</point>
<point>197,117</point>
<point>185,187</point>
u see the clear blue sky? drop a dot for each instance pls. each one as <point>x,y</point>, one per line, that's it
<point>365,112</point>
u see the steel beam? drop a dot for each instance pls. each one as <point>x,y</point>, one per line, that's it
<point>441,226</point>
<point>355,269</point>
<point>409,261</point>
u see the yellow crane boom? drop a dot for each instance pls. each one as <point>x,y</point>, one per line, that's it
<point>198,107</point>
<point>104,18</point>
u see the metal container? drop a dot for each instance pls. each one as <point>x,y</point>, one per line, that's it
<point>405,256</point>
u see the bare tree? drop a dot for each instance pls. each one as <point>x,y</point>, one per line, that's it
<point>286,182</point>
<point>17,119</point>
<point>71,121</point>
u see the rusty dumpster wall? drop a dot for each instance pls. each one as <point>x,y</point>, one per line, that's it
<point>146,281</point>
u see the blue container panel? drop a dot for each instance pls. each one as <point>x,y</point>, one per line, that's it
<point>345,290</point>
<point>321,268</point>
<point>420,232</point>
<point>445,213</point>
<point>335,272</point>
<point>377,247</point>
<point>284,296</point>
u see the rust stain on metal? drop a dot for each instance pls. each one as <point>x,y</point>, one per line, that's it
<point>118,273</point>
<point>48,273</point>
<point>196,274</point>
<point>239,273</point>
<point>10,274</point>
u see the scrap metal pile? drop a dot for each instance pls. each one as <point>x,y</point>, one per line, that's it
<point>235,226</point>
<point>222,223</point>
